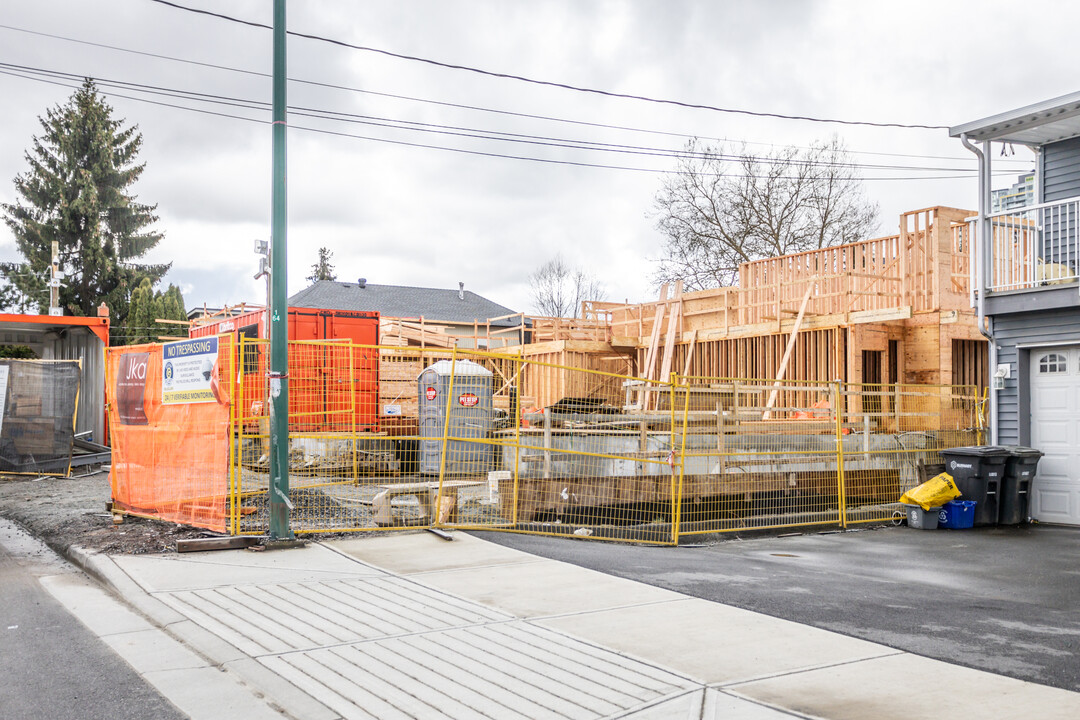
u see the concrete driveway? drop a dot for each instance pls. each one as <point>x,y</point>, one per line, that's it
<point>1006,600</point>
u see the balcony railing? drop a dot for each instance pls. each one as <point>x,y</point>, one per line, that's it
<point>1033,247</point>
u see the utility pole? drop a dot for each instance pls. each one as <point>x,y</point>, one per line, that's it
<point>280,505</point>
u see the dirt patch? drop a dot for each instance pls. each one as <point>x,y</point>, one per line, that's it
<point>71,511</point>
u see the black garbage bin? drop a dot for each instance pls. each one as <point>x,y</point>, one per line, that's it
<point>978,472</point>
<point>1016,484</point>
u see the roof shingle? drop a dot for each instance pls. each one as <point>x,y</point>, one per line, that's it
<point>399,301</point>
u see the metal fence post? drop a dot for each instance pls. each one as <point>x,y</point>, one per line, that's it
<point>517,434</point>
<point>841,491</point>
<point>446,436</point>
<point>677,519</point>
<point>235,438</point>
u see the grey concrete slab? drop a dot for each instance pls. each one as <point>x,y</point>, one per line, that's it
<point>715,643</point>
<point>721,705</point>
<point>507,670</point>
<point>211,694</point>
<point>906,686</point>
<point>93,606</point>
<point>709,704</point>
<point>544,588</point>
<point>281,693</point>
<point>272,618</point>
<point>215,649</point>
<point>311,563</point>
<point>686,706</point>
<point>152,651</point>
<point>105,569</point>
<point>410,553</point>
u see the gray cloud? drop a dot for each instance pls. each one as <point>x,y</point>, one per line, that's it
<point>418,216</point>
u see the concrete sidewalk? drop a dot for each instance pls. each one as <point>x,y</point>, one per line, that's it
<point>412,626</point>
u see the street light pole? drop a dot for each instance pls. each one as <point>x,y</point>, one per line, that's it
<point>280,505</point>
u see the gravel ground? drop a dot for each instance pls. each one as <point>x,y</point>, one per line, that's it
<point>71,511</point>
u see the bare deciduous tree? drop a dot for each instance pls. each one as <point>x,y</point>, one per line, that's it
<point>721,210</point>
<point>558,289</point>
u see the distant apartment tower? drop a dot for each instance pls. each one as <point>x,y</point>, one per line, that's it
<point>1021,193</point>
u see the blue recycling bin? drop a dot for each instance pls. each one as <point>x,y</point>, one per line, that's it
<point>957,514</point>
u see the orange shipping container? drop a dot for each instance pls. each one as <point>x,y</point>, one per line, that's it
<point>315,383</point>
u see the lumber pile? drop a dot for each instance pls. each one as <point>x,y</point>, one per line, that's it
<point>403,332</point>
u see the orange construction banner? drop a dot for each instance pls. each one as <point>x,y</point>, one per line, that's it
<point>169,410</point>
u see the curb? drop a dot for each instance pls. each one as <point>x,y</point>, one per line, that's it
<point>278,692</point>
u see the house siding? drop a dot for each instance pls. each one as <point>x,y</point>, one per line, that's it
<point>1030,328</point>
<point>1061,170</point>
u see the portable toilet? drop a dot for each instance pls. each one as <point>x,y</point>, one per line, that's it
<point>471,416</point>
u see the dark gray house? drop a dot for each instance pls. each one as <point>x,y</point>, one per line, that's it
<point>470,319</point>
<point>1028,298</point>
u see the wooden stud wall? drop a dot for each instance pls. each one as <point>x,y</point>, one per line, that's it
<point>818,356</point>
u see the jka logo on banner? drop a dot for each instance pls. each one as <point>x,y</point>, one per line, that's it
<point>468,400</point>
<point>430,393</point>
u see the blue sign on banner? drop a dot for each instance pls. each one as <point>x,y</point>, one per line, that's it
<point>188,371</point>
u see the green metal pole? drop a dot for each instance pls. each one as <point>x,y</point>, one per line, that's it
<point>280,505</point>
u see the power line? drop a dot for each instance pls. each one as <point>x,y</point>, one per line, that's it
<point>476,108</point>
<point>442,147</point>
<point>466,132</point>
<point>548,83</point>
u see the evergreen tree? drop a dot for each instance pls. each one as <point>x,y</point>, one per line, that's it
<point>172,308</point>
<point>78,192</point>
<point>322,270</point>
<point>147,307</point>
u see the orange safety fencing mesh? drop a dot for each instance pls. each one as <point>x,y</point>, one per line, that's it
<point>169,409</point>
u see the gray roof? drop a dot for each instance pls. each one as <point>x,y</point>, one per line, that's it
<point>398,301</point>
<point>1039,124</point>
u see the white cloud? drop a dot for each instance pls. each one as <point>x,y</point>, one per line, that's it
<point>398,214</point>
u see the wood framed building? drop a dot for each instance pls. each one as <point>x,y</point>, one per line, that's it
<point>895,309</point>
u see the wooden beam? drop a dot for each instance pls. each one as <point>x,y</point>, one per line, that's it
<point>654,345</point>
<point>787,352</point>
<point>672,333</point>
<point>235,542</point>
<point>654,336</point>
<point>689,353</point>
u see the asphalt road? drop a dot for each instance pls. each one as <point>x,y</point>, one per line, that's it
<point>1006,600</point>
<point>54,668</point>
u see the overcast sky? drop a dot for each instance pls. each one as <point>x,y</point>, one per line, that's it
<point>395,213</point>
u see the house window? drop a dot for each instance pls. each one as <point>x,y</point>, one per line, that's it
<point>1053,363</point>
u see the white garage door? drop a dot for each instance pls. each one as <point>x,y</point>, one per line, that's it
<point>1055,429</point>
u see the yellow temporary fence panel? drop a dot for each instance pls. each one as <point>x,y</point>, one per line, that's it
<point>456,442</point>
